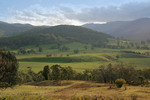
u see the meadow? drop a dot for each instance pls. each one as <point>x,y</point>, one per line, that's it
<point>86,58</point>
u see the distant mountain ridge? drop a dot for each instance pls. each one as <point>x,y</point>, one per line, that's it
<point>56,34</point>
<point>134,30</point>
<point>9,29</point>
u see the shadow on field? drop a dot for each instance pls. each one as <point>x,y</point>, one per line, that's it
<point>63,59</point>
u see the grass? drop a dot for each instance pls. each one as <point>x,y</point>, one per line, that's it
<point>74,89</point>
<point>139,62</point>
<point>78,62</point>
<point>82,61</point>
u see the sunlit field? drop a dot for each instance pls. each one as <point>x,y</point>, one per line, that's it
<point>74,90</point>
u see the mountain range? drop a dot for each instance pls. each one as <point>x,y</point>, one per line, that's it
<point>134,30</point>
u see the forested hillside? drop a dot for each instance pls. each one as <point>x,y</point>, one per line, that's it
<point>56,34</point>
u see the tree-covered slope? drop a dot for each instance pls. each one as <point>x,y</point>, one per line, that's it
<point>56,34</point>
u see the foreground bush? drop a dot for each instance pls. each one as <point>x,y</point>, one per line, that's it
<point>119,82</point>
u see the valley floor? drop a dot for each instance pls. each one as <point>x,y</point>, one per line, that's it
<point>81,61</point>
<point>73,90</point>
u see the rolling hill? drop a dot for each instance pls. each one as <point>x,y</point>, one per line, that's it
<point>56,34</point>
<point>133,30</point>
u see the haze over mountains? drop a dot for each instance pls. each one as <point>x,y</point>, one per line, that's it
<point>134,30</point>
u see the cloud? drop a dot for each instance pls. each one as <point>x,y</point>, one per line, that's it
<point>128,11</point>
<point>38,15</point>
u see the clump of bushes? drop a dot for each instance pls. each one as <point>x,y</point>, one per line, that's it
<point>120,82</point>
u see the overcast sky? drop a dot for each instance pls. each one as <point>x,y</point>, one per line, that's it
<point>73,12</point>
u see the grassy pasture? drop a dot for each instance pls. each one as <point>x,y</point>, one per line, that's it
<point>81,61</point>
<point>74,90</point>
<point>85,59</point>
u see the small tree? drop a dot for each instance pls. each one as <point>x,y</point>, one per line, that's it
<point>76,51</point>
<point>85,47</point>
<point>32,74</point>
<point>22,51</point>
<point>56,72</point>
<point>119,82</point>
<point>46,72</point>
<point>40,49</point>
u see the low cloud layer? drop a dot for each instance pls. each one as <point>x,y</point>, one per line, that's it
<point>38,15</point>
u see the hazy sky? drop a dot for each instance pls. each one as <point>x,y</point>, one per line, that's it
<point>74,12</point>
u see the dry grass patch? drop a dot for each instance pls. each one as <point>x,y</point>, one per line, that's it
<point>76,90</point>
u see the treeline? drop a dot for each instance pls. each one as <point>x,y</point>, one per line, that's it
<point>126,44</point>
<point>139,53</point>
<point>103,74</point>
<point>55,72</point>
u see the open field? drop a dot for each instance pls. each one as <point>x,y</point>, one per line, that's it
<point>85,59</point>
<point>75,90</point>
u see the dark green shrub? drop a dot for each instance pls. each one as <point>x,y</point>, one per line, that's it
<point>119,82</point>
